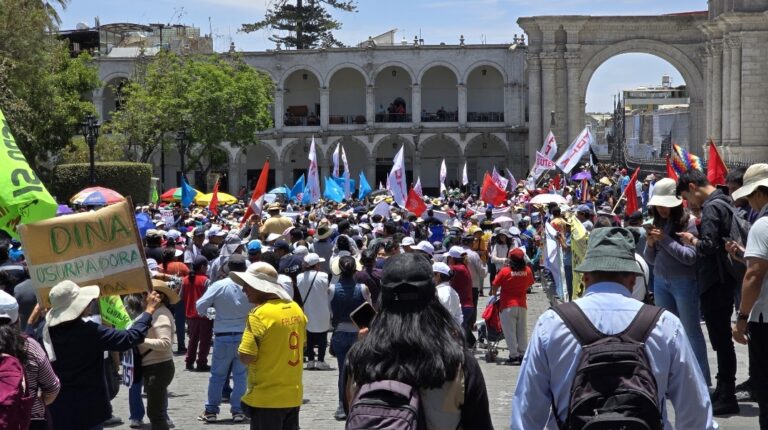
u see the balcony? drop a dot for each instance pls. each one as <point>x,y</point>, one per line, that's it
<point>301,121</point>
<point>485,116</point>
<point>346,119</point>
<point>393,117</point>
<point>439,116</point>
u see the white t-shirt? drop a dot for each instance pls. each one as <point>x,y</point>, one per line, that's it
<point>757,247</point>
<point>317,308</point>
<point>449,298</point>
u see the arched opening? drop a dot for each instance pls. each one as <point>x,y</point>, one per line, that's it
<point>393,95</point>
<point>485,95</point>
<point>439,95</point>
<point>254,157</point>
<point>347,97</point>
<point>358,156</point>
<point>112,98</point>
<point>385,152</point>
<point>302,99</point>
<point>296,160</point>
<point>432,152</point>
<point>483,153</point>
<point>639,110</point>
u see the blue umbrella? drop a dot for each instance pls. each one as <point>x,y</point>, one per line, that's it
<point>144,223</point>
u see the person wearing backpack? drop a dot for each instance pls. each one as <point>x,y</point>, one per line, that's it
<point>577,346</point>
<point>22,358</point>
<point>717,277</point>
<point>401,381</point>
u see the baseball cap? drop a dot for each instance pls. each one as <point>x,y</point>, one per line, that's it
<point>300,250</point>
<point>408,241</point>
<point>517,254</point>
<point>407,280</point>
<point>441,268</point>
<point>9,307</point>
<point>311,259</point>
<point>424,246</point>
<point>254,247</point>
<point>456,252</point>
<point>282,244</point>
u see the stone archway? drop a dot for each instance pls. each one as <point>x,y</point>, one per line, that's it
<point>358,156</point>
<point>385,150</point>
<point>483,153</point>
<point>295,159</point>
<point>432,151</point>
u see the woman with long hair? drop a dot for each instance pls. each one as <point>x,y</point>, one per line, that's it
<point>674,265</point>
<point>414,340</point>
<point>38,373</point>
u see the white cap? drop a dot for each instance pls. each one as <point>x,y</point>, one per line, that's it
<point>271,237</point>
<point>424,246</point>
<point>408,241</point>
<point>456,252</point>
<point>9,307</point>
<point>173,234</point>
<point>441,268</point>
<point>300,250</point>
<point>311,259</point>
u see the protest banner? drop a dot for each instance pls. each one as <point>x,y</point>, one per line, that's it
<point>167,216</point>
<point>97,248</point>
<point>113,312</point>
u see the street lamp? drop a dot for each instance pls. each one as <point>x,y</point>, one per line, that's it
<point>181,143</point>
<point>90,131</point>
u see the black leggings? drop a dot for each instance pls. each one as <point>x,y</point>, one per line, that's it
<point>319,340</point>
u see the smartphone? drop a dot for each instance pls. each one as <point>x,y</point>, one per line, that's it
<point>363,315</point>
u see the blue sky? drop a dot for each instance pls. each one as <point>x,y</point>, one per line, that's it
<point>489,21</point>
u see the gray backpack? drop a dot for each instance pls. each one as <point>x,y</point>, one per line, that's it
<point>388,405</point>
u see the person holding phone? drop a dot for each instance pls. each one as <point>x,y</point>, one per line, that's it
<point>674,265</point>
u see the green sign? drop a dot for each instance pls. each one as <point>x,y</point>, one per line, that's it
<point>113,312</point>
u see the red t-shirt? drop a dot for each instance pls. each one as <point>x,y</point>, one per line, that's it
<point>191,291</point>
<point>462,283</point>
<point>514,286</point>
<point>175,268</point>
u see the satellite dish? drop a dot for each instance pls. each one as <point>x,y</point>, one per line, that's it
<point>81,26</point>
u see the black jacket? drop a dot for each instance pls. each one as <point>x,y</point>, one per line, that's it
<point>710,250</point>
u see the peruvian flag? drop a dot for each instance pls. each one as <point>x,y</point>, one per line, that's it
<point>417,187</point>
<point>492,193</point>
<point>631,194</point>
<point>257,199</point>
<point>670,171</point>
<point>716,168</point>
<point>415,203</point>
<point>213,206</point>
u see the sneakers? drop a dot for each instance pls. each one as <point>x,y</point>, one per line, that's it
<point>136,424</point>
<point>744,392</point>
<point>514,361</point>
<point>238,417</point>
<point>113,421</point>
<point>311,365</point>
<point>190,367</point>
<point>340,415</point>
<point>724,399</point>
<point>322,365</point>
<point>203,368</point>
<point>207,417</point>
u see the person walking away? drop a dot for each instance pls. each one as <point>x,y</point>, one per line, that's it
<point>314,290</point>
<point>232,309</point>
<point>345,296</point>
<point>461,281</point>
<point>157,367</point>
<point>502,244</point>
<point>272,348</point>
<point>76,350</point>
<point>674,264</point>
<point>445,376</point>
<point>548,371</point>
<point>514,280</point>
<point>445,293</point>
<point>716,284</point>
<point>752,320</point>
<point>171,267</point>
<point>38,373</point>
<point>200,327</point>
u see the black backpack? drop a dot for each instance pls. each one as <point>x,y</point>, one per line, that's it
<point>614,386</point>
<point>738,232</point>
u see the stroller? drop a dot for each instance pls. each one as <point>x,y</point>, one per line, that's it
<point>489,329</point>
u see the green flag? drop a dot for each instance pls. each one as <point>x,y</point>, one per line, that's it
<point>23,197</point>
<point>155,197</point>
<point>113,312</point>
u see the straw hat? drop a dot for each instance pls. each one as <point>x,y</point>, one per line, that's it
<point>755,176</point>
<point>665,194</point>
<point>261,277</point>
<point>68,301</point>
<point>162,287</point>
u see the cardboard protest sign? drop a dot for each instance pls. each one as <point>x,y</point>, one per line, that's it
<point>113,312</point>
<point>167,217</point>
<point>97,248</point>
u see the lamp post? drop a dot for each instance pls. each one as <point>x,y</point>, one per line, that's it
<point>90,130</point>
<point>181,143</point>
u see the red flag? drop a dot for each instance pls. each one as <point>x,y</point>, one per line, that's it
<point>670,171</point>
<point>630,193</point>
<point>556,182</point>
<point>491,193</point>
<point>213,206</point>
<point>716,168</point>
<point>415,203</point>
<point>254,206</point>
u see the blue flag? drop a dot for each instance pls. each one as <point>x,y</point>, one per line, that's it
<point>340,182</point>
<point>187,193</point>
<point>298,189</point>
<point>333,191</point>
<point>365,187</point>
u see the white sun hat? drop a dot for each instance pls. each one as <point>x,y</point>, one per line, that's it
<point>68,301</point>
<point>665,194</point>
<point>755,176</point>
<point>261,277</point>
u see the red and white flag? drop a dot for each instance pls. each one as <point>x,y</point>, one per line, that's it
<point>491,193</point>
<point>417,187</point>
<point>549,149</point>
<point>575,151</point>
<point>213,206</point>
<point>313,176</point>
<point>499,180</point>
<point>415,204</point>
<point>397,184</point>
<point>257,199</point>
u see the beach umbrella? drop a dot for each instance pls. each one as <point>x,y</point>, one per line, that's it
<point>144,223</point>
<point>280,190</point>
<point>173,195</point>
<point>96,196</point>
<point>546,198</point>
<point>224,199</point>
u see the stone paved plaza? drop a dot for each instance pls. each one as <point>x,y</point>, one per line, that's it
<point>189,392</point>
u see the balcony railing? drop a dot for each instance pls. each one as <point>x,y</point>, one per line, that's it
<point>485,116</point>
<point>439,116</point>
<point>393,117</point>
<point>301,121</point>
<point>346,119</point>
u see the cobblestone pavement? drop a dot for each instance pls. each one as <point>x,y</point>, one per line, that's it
<point>189,391</point>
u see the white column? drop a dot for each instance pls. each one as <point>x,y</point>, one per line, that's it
<point>726,102</point>
<point>324,107</point>
<point>370,105</point>
<point>98,104</point>
<point>279,108</point>
<point>535,131</point>
<point>509,115</point>
<point>415,104</point>
<point>575,111</point>
<point>717,92</point>
<point>462,104</point>
<point>734,44</point>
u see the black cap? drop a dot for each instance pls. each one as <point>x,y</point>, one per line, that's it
<point>407,279</point>
<point>282,244</point>
<point>236,263</point>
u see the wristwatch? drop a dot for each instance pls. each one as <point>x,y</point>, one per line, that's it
<point>742,317</point>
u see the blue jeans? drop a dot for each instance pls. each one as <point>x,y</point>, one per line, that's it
<point>135,402</point>
<point>180,318</point>
<point>341,342</point>
<point>681,297</point>
<point>224,357</point>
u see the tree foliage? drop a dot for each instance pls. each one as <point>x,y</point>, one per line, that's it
<point>214,99</point>
<point>41,88</point>
<point>109,147</point>
<point>302,24</point>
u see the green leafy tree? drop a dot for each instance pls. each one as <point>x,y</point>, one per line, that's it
<point>109,147</point>
<point>302,24</point>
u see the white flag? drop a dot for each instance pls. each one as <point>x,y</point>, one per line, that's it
<point>575,151</point>
<point>381,186</point>
<point>443,175</point>
<point>464,177</point>
<point>336,160</point>
<point>499,180</point>
<point>347,191</point>
<point>382,209</point>
<point>553,260</point>
<point>313,177</point>
<point>417,187</point>
<point>512,180</point>
<point>542,165</point>
<point>397,183</point>
<point>549,149</point>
